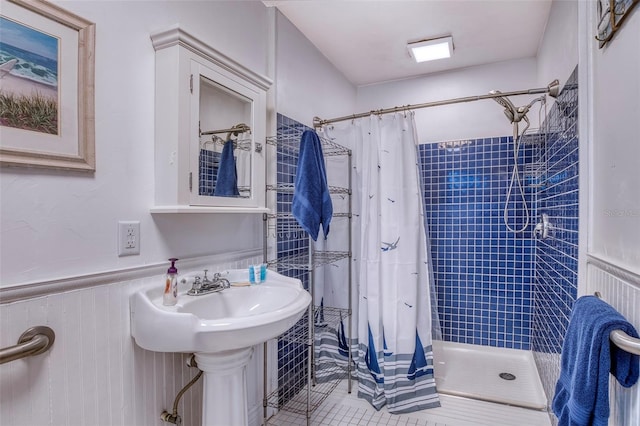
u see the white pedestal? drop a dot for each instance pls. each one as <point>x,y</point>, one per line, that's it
<point>224,399</point>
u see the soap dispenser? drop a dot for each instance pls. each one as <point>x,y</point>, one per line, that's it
<point>170,297</point>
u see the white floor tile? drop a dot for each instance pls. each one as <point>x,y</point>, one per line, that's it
<point>343,409</point>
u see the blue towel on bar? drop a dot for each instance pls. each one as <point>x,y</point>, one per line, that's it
<point>227,181</point>
<point>311,204</point>
<point>582,391</point>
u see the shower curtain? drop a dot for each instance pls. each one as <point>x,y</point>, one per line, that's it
<point>394,358</point>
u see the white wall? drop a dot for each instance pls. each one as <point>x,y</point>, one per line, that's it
<point>478,119</point>
<point>58,224</point>
<point>615,180</point>
<point>308,85</point>
<point>611,111</point>
<point>558,51</point>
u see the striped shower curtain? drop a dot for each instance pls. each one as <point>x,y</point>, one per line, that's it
<point>394,358</point>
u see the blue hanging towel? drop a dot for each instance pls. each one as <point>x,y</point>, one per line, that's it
<point>311,204</point>
<point>227,181</point>
<point>582,391</point>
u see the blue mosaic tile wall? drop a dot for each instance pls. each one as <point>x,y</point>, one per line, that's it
<point>557,256</point>
<point>483,272</point>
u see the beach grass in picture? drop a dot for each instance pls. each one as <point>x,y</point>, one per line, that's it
<point>28,78</point>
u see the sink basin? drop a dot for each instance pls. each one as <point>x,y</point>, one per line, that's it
<point>235,318</point>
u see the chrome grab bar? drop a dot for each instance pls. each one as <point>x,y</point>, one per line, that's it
<point>622,339</point>
<point>34,341</point>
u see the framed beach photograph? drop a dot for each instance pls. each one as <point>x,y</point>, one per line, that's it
<point>46,87</point>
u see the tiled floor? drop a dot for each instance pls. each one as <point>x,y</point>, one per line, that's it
<point>343,409</point>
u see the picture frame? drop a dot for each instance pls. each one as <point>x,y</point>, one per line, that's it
<point>47,87</point>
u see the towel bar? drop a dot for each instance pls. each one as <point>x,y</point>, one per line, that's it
<point>622,339</point>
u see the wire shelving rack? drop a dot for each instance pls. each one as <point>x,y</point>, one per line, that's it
<point>299,390</point>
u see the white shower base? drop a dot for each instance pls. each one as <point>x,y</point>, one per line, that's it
<point>472,371</point>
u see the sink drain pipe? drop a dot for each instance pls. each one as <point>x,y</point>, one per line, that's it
<point>174,417</point>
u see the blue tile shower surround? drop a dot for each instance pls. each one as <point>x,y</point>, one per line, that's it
<point>483,272</point>
<point>557,257</point>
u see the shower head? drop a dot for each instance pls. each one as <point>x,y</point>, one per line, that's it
<point>514,114</point>
<point>510,109</point>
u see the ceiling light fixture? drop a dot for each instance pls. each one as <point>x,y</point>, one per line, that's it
<point>432,49</point>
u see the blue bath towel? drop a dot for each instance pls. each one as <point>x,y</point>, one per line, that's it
<point>311,204</point>
<point>227,181</point>
<point>582,391</point>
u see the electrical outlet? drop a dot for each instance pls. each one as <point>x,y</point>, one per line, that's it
<point>128,238</point>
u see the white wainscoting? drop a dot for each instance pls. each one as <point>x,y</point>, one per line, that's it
<point>95,374</point>
<point>621,289</point>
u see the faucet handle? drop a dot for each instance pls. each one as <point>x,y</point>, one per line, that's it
<point>196,283</point>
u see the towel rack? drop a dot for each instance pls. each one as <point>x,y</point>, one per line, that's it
<point>622,339</point>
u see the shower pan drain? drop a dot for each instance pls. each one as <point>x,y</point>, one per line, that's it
<point>507,376</point>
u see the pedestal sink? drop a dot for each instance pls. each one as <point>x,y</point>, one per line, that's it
<point>221,329</point>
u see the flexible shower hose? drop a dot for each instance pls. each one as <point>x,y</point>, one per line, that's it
<point>515,177</point>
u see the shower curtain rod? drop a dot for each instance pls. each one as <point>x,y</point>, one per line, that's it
<point>552,89</point>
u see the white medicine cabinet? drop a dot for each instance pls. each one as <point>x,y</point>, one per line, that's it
<point>210,129</point>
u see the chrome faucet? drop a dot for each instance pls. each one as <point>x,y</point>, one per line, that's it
<point>206,286</point>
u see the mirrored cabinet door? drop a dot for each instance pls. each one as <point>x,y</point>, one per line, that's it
<point>223,144</point>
